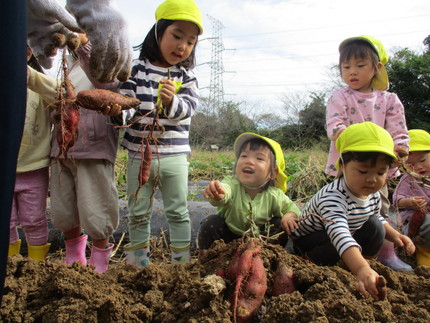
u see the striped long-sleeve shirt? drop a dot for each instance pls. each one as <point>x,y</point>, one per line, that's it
<point>336,210</point>
<point>144,84</point>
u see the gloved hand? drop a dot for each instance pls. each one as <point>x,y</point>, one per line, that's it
<point>46,18</point>
<point>111,53</point>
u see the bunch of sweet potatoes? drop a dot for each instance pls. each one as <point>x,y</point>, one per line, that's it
<point>248,274</point>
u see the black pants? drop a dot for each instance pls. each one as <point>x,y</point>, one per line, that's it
<point>214,228</point>
<point>318,247</point>
<point>13,94</point>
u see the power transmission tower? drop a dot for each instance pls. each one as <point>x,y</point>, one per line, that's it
<point>216,94</point>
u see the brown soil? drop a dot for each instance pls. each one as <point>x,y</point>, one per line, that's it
<point>50,291</point>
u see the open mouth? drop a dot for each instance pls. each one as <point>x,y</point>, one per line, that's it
<point>248,171</point>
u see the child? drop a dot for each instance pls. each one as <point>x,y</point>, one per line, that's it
<point>162,77</point>
<point>343,219</point>
<point>32,172</point>
<point>84,195</point>
<point>253,198</point>
<point>361,64</point>
<point>412,196</point>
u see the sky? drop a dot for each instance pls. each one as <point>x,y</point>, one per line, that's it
<point>273,48</point>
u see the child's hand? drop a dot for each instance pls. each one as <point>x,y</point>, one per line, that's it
<point>166,93</point>
<point>405,242</point>
<point>367,280</point>
<point>416,203</point>
<point>112,110</point>
<point>289,222</point>
<point>214,190</point>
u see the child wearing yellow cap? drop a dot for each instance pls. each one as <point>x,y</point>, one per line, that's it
<point>162,77</point>
<point>253,198</point>
<point>362,62</point>
<point>412,195</point>
<point>343,220</point>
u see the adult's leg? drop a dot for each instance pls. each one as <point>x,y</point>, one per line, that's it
<point>13,89</point>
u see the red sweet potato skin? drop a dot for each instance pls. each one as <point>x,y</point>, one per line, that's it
<point>283,282</point>
<point>99,99</point>
<point>247,271</point>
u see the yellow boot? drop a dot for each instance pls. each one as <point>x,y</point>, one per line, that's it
<point>423,256</point>
<point>14,248</point>
<point>38,253</point>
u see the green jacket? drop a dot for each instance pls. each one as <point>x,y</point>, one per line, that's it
<point>237,206</point>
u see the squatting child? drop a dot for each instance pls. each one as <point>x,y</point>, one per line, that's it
<point>343,220</point>
<point>412,195</point>
<point>253,198</point>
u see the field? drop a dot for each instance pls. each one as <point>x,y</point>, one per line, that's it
<point>50,291</point>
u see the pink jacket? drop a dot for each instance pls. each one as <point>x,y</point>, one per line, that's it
<point>347,106</point>
<point>97,137</point>
<point>406,188</point>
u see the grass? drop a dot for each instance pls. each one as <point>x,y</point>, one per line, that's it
<point>305,170</point>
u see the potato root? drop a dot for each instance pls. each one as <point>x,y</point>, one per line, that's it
<point>248,272</point>
<point>100,99</point>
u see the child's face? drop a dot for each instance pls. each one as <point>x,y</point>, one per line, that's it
<point>363,178</point>
<point>253,167</point>
<point>419,162</point>
<point>178,41</point>
<point>358,74</point>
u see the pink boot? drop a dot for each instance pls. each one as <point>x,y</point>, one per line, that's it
<point>387,256</point>
<point>75,250</point>
<point>100,258</point>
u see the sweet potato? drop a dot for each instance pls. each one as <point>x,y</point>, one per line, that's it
<point>381,285</point>
<point>283,283</point>
<point>67,118</point>
<point>415,223</point>
<point>248,272</point>
<point>99,99</point>
<point>145,163</point>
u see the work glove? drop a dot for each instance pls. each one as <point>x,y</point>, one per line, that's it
<point>46,18</point>
<point>111,53</point>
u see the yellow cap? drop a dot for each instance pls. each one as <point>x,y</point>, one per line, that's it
<point>365,136</point>
<point>281,179</point>
<point>419,140</point>
<point>180,10</point>
<point>380,81</point>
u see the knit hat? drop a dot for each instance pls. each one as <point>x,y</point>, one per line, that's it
<point>180,10</point>
<point>281,179</point>
<point>419,140</point>
<point>380,81</point>
<point>365,136</point>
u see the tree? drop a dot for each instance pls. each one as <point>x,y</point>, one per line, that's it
<point>409,75</point>
<point>312,117</point>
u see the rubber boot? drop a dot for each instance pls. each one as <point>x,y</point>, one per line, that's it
<point>423,256</point>
<point>100,258</point>
<point>138,255</point>
<point>180,255</point>
<point>14,248</point>
<point>387,256</point>
<point>38,253</point>
<point>75,250</point>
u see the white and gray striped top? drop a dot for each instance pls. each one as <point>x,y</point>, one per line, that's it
<point>143,84</point>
